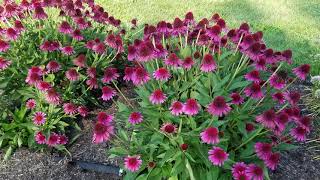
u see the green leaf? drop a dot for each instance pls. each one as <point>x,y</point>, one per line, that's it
<point>118,151</point>
<point>286,147</point>
<point>8,153</point>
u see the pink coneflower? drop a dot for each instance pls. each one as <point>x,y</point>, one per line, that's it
<point>208,64</point>
<point>4,46</point>
<point>214,32</point>
<point>63,139</point>
<point>210,135</point>
<point>69,108</point>
<point>4,64</point>
<point>72,75</point>
<point>305,122</point>
<point>260,64</point>
<point>238,169</point>
<point>53,97</point>
<point>99,48</point>
<point>132,163</point>
<point>67,50</point>
<point>53,66</point>
<point>277,82</point>
<point>39,13</point>
<point>178,27</point>
<point>272,161</point>
<point>188,63</point>
<point>191,107</point>
<point>104,118</point>
<point>81,23</point>
<point>31,104</point>
<point>302,71</point>
<point>77,35</point>
<point>176,108</point>
<point>253,76</point>
<point>80,61</point>
<point>135,118</point>
<point>107,93</point>
<point>49,46</point>
<point>91,72</point>
<point>53,140</point>
<point>140,76</point>
<point>39,118</point>
<point>145,53</point>
<point>160,51</point>
<point>43,86</point>
<point>287,55</point>
<point>40,138</point>
<point>292,97</point>
<point>281,121</point>
<point>128,73</point>
<point>218,107</point>
<point>299,133</point>
<point>92,83</point>
<point>109,75</point>
<point>168,128</point>
<point>132,53</point>
<point>263,150</point>
<point>157,97</point>
<point>267,119</point>
<point>254,172</point>
<point>162,74</point>
<point>254,91</point>
<point>90,44</point>
<point>236,98</point>
<point>217,156</point>
<point>173,60</point>
<point>279,97</point>
<point>83,111</point>
<point>12,34</point>
<point>65,28</point>
<point>102,132</point>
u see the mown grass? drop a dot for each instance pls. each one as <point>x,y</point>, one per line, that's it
<point>286,24</point>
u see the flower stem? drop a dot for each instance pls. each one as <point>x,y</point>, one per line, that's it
<point>124,97</point>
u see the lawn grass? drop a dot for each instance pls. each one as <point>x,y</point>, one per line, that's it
<point>286,24</point>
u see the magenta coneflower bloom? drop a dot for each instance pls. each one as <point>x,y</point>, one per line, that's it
<point>263,150</point>
<point>63,139</point>
<point>254,172</point>
<point>83,111</point>
<point>90,44</point>
<point>132,163</point>
<point>272,161</point>
<point>254,91</point>
<point>236,99</point>
<point>77,35</point>
<point>92,83</point>
<point>69,108</point>
<point>4,64</point>
<point>110,74</point>
<point>267,119</point>
<point>140,76</point>
<point>191,107</point>
<point>279,97</point>
<point>104,118</point>
<point>187,63</point>
<point>81,23</point>
<point>287,56</point>
<point>53,97</point>
<point>12,34</point>
<point>178,27</point>
<point>39,13</point>
<point>189,19</point>
<point>299,133</point>
<point>253,76</point>
<point>210,135</point>
<point>99,48</point>
<point>176,108</point>
<point>173,60</point>
<point>218,107</point>
<point>53,66</point>
<point>260,64</point>
<point>53,140</point>
<point>208,64</point>
<point>102,132</point>
<point>157,97</point>
<point>43,86</point>
<point>72,75</point>
<point>31,104</point>
<point>281,121</point>
<point>217,156</point>
<point>80,61</point>
<point>214,32</point>
<point>292,97</point>
<point>145,53</point>
<point>39,118</point>
<point>91,72</point>
<point>40,138</point>
<point>305,122</point>
<point>162,74</point>
<point>135,118</point>
<point>238,169</point>
<point>49,46</point>
<point>247,41</point>
<point>302,71</point>
<point>67,50</point>
<point>65,28</point>
<point>277,82</point>
<point>160,51</point>
<point>107,93</point>
<point>132,53</point>
<point>128,73</point>
<point>168,128</point>
<point>4,46</point>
